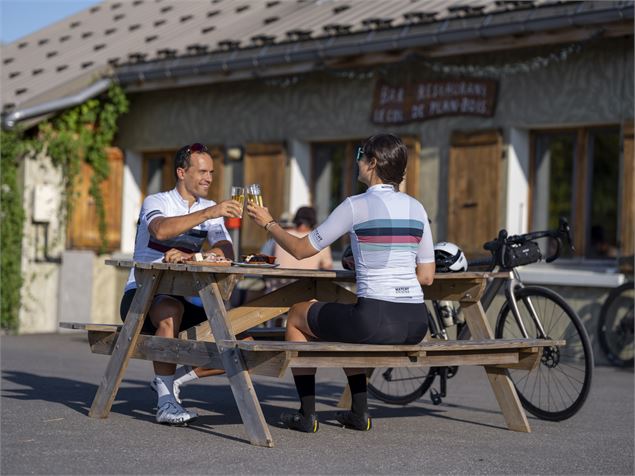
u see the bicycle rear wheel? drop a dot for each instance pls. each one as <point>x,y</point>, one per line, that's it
<point>615,327</point>
<point>400,386</point>
<point>558,387</point>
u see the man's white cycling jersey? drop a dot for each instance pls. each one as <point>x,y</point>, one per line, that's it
<point>389,234</point>
<point>170,204</point>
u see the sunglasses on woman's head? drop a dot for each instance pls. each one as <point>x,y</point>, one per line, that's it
<point>360,154</point>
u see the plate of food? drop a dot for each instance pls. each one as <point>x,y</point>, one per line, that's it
<point>257,261</point>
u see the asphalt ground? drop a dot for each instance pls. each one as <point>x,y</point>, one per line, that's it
<point>49,381</point>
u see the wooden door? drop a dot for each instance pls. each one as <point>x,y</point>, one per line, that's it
<point>627,201</point>
<point>264,164</point>
<point>473,190</point>
<point>83,225</point>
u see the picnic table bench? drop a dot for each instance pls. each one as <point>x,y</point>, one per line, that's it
<point>213,344</point>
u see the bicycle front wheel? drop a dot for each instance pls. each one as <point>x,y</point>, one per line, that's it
<point>615,329</point>
<point>557,388</point>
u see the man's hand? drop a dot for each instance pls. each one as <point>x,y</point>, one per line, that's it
<point>228,208</point>
<point>258,214</point>
<point>177,256</point>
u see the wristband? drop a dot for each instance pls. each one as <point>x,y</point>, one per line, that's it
<point>270,224</point>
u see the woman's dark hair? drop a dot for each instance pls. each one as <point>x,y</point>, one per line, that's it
<point>183,155</point>
<point>391,155</point>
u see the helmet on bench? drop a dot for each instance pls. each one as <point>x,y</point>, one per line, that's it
<point>449,258</point>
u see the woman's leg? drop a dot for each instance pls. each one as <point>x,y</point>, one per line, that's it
<point>298,331</point>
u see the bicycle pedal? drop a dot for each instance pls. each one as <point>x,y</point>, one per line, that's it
<point>435,397</point>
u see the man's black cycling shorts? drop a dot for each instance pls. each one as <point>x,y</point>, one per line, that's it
<point>192,314</point>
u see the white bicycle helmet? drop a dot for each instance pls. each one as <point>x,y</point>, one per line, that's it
<point>449,258</point>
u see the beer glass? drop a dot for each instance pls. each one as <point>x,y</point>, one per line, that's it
<point>238,194</point>
<point>254,194</point>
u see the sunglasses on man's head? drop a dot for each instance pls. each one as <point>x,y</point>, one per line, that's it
<point>196,147</point>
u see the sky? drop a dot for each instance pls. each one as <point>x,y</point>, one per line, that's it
<point>22,17</point>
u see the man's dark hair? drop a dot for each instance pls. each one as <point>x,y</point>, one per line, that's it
<point>305,216</point>
<point>391,155</point>
<point>183,155</point>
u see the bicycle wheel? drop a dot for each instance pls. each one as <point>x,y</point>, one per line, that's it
<point>615,327</point>
<point>400,386</point>
<point>556,389</point>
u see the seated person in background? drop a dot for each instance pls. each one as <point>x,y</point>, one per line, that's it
<point>172,227</point>
<point>394,256</point>
<point>269,248</point>
<point>304,222</point>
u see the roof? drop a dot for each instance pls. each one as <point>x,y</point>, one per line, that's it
<point>135,38</point>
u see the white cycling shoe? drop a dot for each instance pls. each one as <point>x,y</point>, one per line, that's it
<point>171,413</point>
<point>176,389</point>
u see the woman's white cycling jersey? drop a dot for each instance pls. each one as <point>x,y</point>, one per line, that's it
<point>390,235</point>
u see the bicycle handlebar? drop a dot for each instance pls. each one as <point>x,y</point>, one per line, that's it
<point>497,246</point>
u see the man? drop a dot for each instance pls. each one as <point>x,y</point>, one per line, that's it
<point>172,227</point>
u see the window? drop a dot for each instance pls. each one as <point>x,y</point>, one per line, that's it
<point>575,174</point>
<point>158,175</point>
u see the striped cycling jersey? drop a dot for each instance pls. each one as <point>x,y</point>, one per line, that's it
<point>170,204</point>
<point>389,234</point>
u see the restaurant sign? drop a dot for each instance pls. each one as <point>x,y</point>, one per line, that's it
<point>424,100</point>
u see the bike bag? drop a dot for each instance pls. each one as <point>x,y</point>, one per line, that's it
<point>519,254</point>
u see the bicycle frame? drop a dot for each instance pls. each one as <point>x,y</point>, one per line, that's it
<point>511,285</point>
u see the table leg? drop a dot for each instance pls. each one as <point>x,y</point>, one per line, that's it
<point>148,282</point>
<point>499,379</point>
<point>239,378</point>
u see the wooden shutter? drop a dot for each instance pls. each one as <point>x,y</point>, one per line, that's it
<point>83,225</point>
<point>473,190</point>
<point>627,202</point>
<point>410,185</point>
<point>264,164</point>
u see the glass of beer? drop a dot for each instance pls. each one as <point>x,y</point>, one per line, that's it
<point>238,194</point>
<point>254,194</point>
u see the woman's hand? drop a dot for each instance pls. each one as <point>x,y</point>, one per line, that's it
<point>258,214</point>
<point>176,256</point>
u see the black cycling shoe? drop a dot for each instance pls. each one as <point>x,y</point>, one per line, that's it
<point>299,422</point>
<point>354,421</point>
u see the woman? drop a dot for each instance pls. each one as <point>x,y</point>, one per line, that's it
<point>394,256</point>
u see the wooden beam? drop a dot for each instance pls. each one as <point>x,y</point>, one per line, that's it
<point>161,349</point>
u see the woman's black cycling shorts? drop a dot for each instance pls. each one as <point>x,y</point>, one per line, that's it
<point>369,321</point>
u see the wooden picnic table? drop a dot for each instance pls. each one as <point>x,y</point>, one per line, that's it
<point>213,343</point>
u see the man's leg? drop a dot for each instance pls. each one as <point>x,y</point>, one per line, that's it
<point>298,331</point>
<point>166,314</point>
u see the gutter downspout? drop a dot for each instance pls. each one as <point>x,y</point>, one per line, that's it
<point>10,120</point>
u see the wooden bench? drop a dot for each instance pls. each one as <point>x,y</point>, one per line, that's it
<point>213,343</point>
<point>272,358</point>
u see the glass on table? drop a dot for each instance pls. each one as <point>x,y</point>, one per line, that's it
<point>254,194</point>
<point>238,194</point>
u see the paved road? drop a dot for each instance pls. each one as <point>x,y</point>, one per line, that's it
<point>48,382</point>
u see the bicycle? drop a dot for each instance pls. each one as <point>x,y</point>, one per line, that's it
<point>615,326</point>
<point>558,387</point>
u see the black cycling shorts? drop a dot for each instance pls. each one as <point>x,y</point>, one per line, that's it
<point>192,314</point>
<point>369,321</point>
